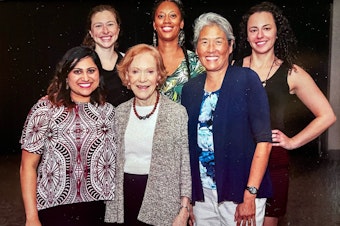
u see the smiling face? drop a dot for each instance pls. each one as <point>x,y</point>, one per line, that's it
<point>143,78</point>
<point>213,48</point>
<point>168,21</point>
<point>261,32</point>
<point>83,80</point>
<point>104,29</point>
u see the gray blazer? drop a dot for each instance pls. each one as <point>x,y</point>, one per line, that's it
<point>169,178</point>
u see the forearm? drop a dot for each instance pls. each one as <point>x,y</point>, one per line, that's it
<point>28,180</point>
<point>302,84</point>
<point>259,164</point>
<point>314,129</point>
<point>184,212</point>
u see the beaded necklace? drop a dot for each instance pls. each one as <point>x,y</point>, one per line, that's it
<point>148,115</point>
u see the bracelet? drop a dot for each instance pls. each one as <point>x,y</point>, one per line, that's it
<point>187,207</point>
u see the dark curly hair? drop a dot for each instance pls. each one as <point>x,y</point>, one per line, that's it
<point>285,44</point>
<point>177,2</point>
<point>179,5</point>
<point>57,91</point>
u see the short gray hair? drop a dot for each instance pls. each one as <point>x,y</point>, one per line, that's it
<point>212,19</point>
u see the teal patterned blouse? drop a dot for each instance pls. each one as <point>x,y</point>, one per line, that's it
<point>172,87</point>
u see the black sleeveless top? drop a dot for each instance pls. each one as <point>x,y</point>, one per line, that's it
<point>278,96</point>
<point>116,93</point>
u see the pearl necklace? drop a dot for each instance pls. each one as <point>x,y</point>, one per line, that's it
<point>264,83</point>
<point>148,115</point>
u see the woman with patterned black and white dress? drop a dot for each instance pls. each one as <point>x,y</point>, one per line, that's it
<point>68,147</point>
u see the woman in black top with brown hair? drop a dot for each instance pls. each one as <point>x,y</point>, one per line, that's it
<point>266,45</point>
<point>103,25</point>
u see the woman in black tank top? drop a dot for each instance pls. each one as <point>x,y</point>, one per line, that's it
<point>266,45</point>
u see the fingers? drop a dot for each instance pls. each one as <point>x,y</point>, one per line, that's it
<point>275,133</point>
<point>280,139</point>
<point>246,222</point>
<point>277,137</point>
<point>191,221</point>
<point>244,216</point>
<point>191,216</point>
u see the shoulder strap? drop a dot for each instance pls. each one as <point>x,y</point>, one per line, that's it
<point>238,62</point>
<point>186,59</point>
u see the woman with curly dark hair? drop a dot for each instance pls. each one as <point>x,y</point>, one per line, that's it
<point>267,45</point>
<point>169,38</point>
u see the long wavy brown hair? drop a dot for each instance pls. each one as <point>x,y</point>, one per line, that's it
<point>285,44</point>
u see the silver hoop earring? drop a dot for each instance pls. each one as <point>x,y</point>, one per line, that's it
<point>154,38</point>
<point>67,86</point>
<point>181,37</point>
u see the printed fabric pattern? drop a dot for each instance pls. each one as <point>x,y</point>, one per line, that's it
<point>172,87</point>
<point>205,139</point>
<point>78,152</point>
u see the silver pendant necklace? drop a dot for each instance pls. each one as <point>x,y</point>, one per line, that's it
<point>264,83</point>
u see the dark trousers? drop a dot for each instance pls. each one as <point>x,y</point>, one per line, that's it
<point>134,188</point>
<point>77,214</point>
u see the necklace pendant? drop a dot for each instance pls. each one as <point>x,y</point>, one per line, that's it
<point>264,83</point>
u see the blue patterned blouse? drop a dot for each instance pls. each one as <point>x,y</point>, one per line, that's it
<point>205,139</point>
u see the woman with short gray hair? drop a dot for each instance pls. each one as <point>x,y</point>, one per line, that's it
<point>229,132</point>
<point>210,19</point>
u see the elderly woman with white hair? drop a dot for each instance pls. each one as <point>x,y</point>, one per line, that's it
<point>229,132</point>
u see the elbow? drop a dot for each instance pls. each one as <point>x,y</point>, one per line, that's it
<point>331,119</point>
<point>327,120</point>
<point>334,119</point>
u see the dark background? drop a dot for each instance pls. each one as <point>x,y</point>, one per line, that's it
<point>34,36</point>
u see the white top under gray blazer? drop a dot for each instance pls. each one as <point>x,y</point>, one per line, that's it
<point>169,177</point>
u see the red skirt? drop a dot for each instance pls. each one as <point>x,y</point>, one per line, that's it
<point>279,172</point>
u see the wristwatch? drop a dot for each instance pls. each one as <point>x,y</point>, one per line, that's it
<point>252,190</point>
